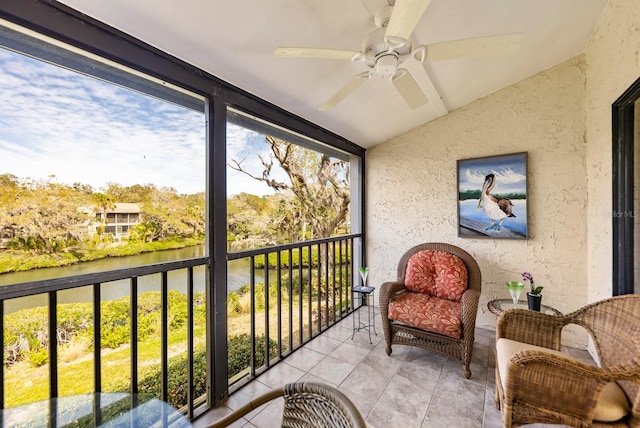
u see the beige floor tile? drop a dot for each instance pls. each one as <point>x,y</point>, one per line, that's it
<point>385,417</point>
<point>412,387</point>
<point>323,344</point>
<point>281,374</point>
<point>350,353</point>
<point>443,412</point>
<point>332,370</point>
<point>305,359</point>
<point>406,397</point>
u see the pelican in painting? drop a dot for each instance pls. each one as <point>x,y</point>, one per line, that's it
<point>496,208</point>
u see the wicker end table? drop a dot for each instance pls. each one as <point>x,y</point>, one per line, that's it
<point>498,306</point>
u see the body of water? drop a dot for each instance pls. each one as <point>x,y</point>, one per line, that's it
<point>238,274</point>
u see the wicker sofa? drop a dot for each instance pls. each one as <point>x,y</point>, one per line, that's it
<point>448,308</point>
<point>537,383</point>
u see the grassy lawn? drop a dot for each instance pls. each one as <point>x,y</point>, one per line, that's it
<point>25,383</point>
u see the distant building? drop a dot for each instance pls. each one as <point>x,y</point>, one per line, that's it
<point>118,219</point>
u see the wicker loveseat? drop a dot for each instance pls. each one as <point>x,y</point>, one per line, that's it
<point>434,301</point>
<point>537,383</point>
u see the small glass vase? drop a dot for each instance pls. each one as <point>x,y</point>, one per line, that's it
<point>364,272</point>
<point>515,289</point>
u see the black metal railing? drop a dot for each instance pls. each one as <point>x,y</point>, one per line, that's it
<point>311,283</point>
<point>156,379</point>
<point>294,292</point>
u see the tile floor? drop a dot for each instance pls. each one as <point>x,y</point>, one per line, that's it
<point>411,388</point>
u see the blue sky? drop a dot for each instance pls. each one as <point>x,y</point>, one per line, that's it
<point>57,122</point>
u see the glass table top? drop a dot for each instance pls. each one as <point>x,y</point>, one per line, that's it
<point>95,410</point>
<point>500,305</point>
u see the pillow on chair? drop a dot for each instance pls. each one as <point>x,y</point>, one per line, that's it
<point>437,273</point>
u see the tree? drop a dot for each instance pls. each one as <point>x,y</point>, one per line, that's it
<point>319,183</point>
<point>45,216</point>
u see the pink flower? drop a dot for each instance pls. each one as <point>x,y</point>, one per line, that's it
<point>526,276</point>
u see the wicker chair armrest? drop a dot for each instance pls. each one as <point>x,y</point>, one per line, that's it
<point>470,300</point>
<point>305,404</point>
<point>534,328</point>
<point>629,371</point>
<point>387,291</point>
<point>248,407</point>
<point>549,381</point>
<point>390,289</point>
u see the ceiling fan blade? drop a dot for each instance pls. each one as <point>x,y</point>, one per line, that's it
<point>409,88</point>
<point>351,86</point>
<point>477,47</point>
<point>316,53</point>
<point>404,18</point>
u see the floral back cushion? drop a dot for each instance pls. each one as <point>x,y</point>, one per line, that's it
<point>437,273</point>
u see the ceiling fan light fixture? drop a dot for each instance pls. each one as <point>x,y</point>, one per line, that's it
<point>386,64</point>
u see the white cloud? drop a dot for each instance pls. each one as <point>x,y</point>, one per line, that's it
<point>57,122</point>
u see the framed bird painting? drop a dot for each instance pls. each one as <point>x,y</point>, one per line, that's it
<point>492,197</point>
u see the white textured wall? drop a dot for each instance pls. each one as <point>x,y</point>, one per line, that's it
<point>411,188</point>
<point>613,64</point>
<point>562,118</point>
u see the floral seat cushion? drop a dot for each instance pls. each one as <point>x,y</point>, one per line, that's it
<point>437,273</point>
<point>429,313</point>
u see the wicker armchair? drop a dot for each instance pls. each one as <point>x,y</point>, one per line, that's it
<point>461,308</point>
<point>537,383</point>
<point>306,405</point>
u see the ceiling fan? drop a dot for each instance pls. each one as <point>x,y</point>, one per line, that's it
<point>389,46</point>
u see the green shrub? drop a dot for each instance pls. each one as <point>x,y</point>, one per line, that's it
<point>39,357</point>
<point>26,332</point>
<point>239,355</point>
<point>150,378</point>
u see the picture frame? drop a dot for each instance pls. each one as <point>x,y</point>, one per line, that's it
<point>493,197</point>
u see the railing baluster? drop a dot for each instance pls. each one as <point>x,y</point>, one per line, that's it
<point>266,310</point>
<point>190,344</point>
<point>133,333</point>
<point>53,344</point>
<point>290,287</point>
<point>253,316</point>
<point>279,294</point>
<point>340,247</point>
<point>320,288</point>
<point>2,366</point>
<point>300,294</point>
<point>310,292</point>
<point>333,280</point>
<point>164,339</point>
<point>97,355</point>
<point>349,290</point>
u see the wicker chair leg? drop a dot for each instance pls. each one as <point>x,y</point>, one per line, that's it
<point>465,371</point>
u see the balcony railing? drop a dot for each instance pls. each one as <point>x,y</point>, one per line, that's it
<point>295,292</point>
<point>102,331</point>
<point>311,283</point>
